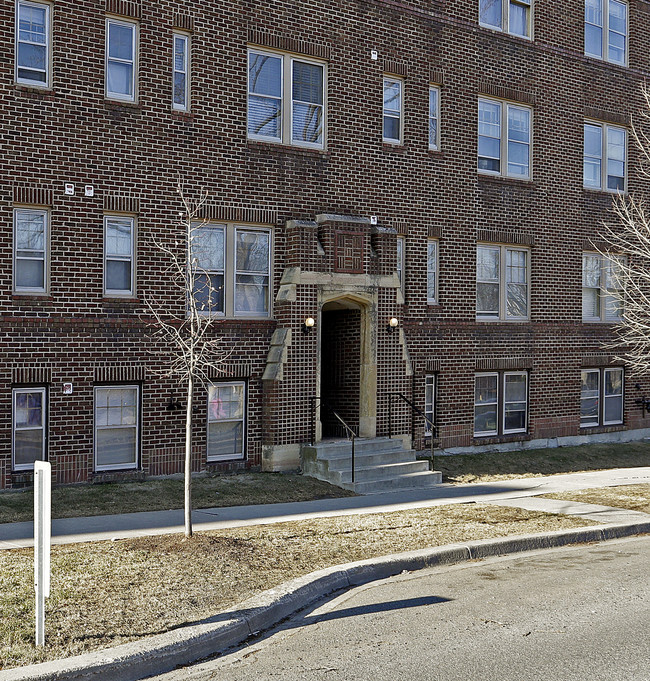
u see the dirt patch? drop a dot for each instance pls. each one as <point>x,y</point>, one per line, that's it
<point>631,497</point>
<point>108,593</point>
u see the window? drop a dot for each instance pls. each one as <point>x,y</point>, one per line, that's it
<point>116,427</point>
<point>606,30</point>
<point>432,271</point>
<point>500,403</point>
<point>30,250</point>
<point>400,245</point>
<point>244,252</point>
<point>33,43</point>
<point>392,110</point>
<point>286,99</point>
<point>118,256</point>
<point>180,72</point>
<point>226,407</point>
<point>511,16</point>
<point>502,277</point>
<point>504,134</point>
<point>604,157</point>
<point>601,397</point>
<point>434,118</point>
<point>121,64</point>
<point>29,423</point>
<point>601,287</point>
<point>429,403</point>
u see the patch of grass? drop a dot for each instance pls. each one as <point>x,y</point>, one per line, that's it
<point>108,593</point>
<point>538,462</point>
<point>631,497</point>
<point>239,489</point>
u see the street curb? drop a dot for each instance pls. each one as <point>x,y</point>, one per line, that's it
<point>164,652</point>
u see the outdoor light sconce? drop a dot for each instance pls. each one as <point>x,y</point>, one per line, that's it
<point>174,404</point>
<point>393,323</point>
<point>644,402</point>
<point>309,325</point>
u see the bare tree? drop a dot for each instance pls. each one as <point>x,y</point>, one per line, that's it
<point>627,257</point>
<point>186,331</point>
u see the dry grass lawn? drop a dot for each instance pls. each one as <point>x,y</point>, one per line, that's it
<point>632,497</point>
<point>108,593</point>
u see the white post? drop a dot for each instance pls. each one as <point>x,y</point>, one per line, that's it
<point>42,542</point>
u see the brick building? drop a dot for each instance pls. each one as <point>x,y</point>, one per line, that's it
<point>442,164</point>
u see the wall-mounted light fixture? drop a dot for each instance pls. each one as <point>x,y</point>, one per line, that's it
<point>309,325</point>
<point>644,402</point>
<point>393,323</point>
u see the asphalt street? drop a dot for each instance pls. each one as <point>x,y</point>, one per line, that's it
<point>576,614</point>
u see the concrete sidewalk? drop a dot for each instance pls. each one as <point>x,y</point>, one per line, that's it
<point>508,492</point>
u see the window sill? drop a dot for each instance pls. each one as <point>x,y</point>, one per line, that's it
<point>497,439</point>
<point>182,115</point>
<point>119,103</point>
<point>494,320</point>
<point>594,430</point>
<point>594,191</point>
<point>35,298</point>
<point>35,91</point>
<point>117,300</point>
<point>504,179</point>
<point>526,40</point>
<point>286,148</point>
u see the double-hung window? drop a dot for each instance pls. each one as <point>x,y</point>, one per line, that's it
<point>429,403</point>
<point>434,117</point>
<point>231,267</point>
<point>393,111</point>
<point>502,283</point>
<point>286,99</point>
<point>119,256</point>
<point>33,43</point>
<point>117,426</point>
<point>500,403</point>
<point>504,138</point>
<point>121,59</point>
<point>181,72</point>
<point>30,250</point>
<point>226,421</point>
<point>606,29</point>
<point>511,16</point>
<point>604,157</point>
<point>602,287</point>
<point>29,427</point>
<point>432,271</point>
<point>601,397</point>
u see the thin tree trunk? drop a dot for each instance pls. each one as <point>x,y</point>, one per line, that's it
<point>188,458</point>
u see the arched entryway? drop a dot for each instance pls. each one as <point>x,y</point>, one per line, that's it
<point>347,366</point>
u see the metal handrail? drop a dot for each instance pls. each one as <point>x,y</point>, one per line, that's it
<point>416,410</point>
<point>349,430</point>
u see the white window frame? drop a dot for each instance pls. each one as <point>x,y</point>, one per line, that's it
<point>430,385</point>
<point>434,117</point>
<point>605,54</point>
<point>605,159</point>
<point>133,25</point>
<point>43,427</point>
<point>136,426</point>
<point>603,397</point>
<point>504,138</point>
<point>243,420</point>
<point>502,281</point>
<point>130,258</point>
<point>48,45</point>
<point>606,293</point>
<point>400,262</point>
<point>504,24</point>
<point>286,99</point>
<point>230,272</point>
<point>397,113</point>
<point>432,273</point>
<point>38,255</point>
<point>185,105</point>
<point>500,403</point>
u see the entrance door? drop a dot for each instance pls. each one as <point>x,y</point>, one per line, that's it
<point>340,367</point>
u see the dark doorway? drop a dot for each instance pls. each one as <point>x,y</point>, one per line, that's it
<point>340,368</point>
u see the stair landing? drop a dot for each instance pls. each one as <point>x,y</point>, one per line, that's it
<point>381,465</point>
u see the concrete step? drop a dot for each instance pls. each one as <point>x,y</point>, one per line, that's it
<point>386,471</point>
<point>401,483</point>
<point>332,449</point>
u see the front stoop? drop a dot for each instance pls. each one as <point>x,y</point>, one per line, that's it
<point>381,465</point>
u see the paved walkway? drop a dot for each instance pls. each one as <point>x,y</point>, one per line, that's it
<point>518,492</point>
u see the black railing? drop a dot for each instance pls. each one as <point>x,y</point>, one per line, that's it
<point>350,431</point>
<point>414,410</point>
